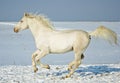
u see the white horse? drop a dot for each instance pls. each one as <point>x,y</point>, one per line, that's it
<point>48,40</point>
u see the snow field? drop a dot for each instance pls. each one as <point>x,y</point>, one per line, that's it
<point>101,73</point>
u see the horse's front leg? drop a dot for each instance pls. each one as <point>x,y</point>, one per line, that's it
<point>33,60</point>
<point>43,65</point>
<point>39,56</point>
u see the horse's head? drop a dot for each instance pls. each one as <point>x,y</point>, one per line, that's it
<point>29,20</point>
<point>22,24</point>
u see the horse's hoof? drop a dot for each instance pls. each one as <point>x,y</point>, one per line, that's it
<point>35,70</point>
<point>67,76</point>
<point>48,67</point>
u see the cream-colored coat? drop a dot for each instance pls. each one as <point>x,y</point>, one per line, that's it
<point>49,40</point>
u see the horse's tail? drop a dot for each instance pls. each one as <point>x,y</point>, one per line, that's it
<point>105,33</point>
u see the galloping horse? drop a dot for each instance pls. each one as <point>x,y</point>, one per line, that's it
<point>48,40</point>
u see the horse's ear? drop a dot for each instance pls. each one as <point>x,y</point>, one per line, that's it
<point>26,14</point>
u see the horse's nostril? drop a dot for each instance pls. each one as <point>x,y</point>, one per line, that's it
<point>16,30</point>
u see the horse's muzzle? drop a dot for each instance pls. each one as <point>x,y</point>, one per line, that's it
<point>16,30</point>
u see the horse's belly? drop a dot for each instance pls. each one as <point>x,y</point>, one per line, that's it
<point>60,47</point>
<point>60,50</point>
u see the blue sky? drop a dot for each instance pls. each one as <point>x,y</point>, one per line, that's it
<point>62,10</point>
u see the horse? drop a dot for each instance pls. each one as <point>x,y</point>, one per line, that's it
<point>49,40</point>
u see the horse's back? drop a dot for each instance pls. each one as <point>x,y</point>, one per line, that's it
<point>63,41</point>
<point>76,33</point>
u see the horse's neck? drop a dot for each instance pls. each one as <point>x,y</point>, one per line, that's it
<point>38,28</point>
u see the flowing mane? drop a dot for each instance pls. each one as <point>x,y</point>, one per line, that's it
<point>42,19</point>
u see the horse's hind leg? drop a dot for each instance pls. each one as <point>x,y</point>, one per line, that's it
<point>70,65</point>
<point>73,62</point>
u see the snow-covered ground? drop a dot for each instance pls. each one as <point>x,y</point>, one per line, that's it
<point>107,73</point>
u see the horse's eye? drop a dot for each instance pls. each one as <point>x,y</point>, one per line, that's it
<point>21,21</point>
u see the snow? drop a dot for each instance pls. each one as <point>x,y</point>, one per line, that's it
<point>8,23</point>
<point>99,73</point>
